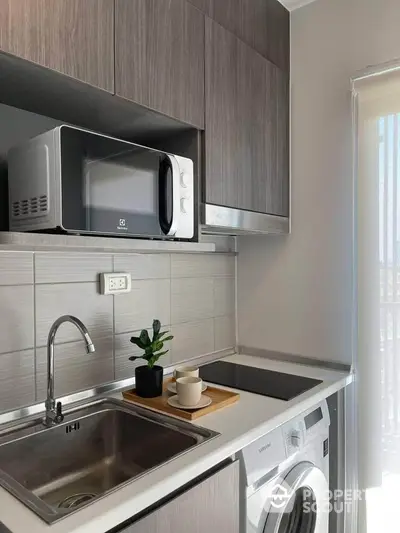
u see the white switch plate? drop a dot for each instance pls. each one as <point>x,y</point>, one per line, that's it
<point>115,283</point>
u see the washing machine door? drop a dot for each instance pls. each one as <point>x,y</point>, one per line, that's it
<point>300,502</point>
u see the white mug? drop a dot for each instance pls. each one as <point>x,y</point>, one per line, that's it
<point>189,390</point>
<point>186,372</point>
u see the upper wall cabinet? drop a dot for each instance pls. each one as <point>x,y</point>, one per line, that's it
<point>278,31</point>
<point>278,200</point>
<point>247,127</point>
<point>160,57</point>
<point>74,37</point>
<point>262,24</point>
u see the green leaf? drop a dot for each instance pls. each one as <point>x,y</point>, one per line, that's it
<point>134,357</point>
<point>153,360</point>
<point>157,346</point>
<point>156,329</point>
<point>144,338</point>
<point>138,342</point>
<point>152,348</point>
<point>148,353</point>
<point>155,357</point>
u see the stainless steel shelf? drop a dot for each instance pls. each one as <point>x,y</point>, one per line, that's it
<point>49,242</point>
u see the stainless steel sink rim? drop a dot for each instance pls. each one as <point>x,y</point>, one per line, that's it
<point>53,513</point>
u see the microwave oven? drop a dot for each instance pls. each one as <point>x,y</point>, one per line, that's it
<point>77,181</point>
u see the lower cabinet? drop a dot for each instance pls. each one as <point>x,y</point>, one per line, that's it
<point>211,506</point>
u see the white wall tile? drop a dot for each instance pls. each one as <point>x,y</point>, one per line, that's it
<point>17,380</point>
<point>224,296</point>
<point>16,268</point>
<point>224,265</point>
<point>16,318</point>
<point>144,266</point>
<point>52,267</point>
<point>136,310</point>
<point>191,299</point>
<point>225,337</point>
<point>79,299</point>
<point>74,368</point>
<point>192,340</point>
<point>124,349</point>
<point>198,266</point>
<point>67,283</point>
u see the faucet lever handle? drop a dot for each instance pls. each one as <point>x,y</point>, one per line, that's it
<point>59,415</point>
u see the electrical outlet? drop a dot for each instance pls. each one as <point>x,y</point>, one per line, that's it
<point>115,283</point>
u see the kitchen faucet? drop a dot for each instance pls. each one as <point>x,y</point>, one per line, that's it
<point>54,413</point>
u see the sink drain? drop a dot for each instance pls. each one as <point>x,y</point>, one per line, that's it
<point>76,499</point>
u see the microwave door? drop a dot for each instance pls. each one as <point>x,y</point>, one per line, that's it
<point>121,195</point>
<point>169,196</point>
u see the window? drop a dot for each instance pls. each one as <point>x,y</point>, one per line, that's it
<point>378,243</point>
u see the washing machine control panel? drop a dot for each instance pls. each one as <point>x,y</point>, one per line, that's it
<point>293,434</point>
<point>263,455</point>
<point>269,452</point>
<point>303,429</point>
<point>295,438</point>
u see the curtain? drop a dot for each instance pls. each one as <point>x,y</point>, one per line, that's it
<point>378,298</point>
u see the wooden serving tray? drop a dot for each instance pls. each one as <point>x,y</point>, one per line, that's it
<point>220,398</point>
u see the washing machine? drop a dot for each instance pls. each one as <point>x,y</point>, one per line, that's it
<point>285,477</point>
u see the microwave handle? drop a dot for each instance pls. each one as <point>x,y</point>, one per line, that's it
<point>176,206</point>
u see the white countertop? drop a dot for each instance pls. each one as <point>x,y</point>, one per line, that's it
<point>240,424</point>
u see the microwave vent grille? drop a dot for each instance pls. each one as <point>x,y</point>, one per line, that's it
<point>31,207</point>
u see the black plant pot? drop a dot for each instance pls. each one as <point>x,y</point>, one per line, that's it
<point>149,381</point>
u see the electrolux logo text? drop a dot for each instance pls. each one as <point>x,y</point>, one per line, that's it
<point>122,225</point>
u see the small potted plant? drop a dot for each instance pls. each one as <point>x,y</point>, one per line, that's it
<point>149,378</point>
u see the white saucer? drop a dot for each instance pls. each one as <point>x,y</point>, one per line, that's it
<point>172,387</point>
<point>204,402</point>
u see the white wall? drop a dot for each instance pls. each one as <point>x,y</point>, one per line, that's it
<point>294,293</point>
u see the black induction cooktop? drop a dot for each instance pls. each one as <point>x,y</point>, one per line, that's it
<point>257,380</point>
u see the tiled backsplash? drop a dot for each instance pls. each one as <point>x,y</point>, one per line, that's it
<point>193,295</point>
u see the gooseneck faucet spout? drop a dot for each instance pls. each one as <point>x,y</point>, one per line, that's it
<point>54,413</point>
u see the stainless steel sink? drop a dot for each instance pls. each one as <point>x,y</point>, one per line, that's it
<point>97,449</point>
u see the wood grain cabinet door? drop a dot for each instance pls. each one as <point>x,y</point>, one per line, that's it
<point>74,37</point>
<point>222,136</point>
<point>262,24</point>
<point>246,134</point>
<point>212,506</point>
<point>160,57</point>
<point>278,193</point>
<point>277,31</point>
